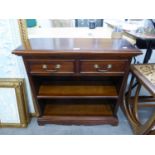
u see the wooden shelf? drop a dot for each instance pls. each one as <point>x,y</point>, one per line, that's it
<point>75,91</point>
<point>75,111</point>
<point>78,102</point>
<point>86,108</point>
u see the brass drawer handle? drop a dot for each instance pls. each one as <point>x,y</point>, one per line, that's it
<point>56,68</point>
<point>98,68</point>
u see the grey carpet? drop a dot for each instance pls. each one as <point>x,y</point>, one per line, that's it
<point>33,129</point>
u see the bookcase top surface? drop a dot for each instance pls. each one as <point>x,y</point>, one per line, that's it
<point>78,44</point>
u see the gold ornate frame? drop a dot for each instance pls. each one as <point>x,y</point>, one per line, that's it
<point>25,41</point>
<point>19,85</point>
<point>24,33</point>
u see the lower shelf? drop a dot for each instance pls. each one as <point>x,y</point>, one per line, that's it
<point>81,89</point>
<point>87,112</point>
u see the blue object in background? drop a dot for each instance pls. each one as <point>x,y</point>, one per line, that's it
<point>91,23</point>
<point>31,22</point>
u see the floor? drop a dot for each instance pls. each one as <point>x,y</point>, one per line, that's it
<point>123,127</point>
<point>33,129</point>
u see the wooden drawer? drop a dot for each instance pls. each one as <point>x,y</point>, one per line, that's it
<point>51,66</point>
<point>103,66</point>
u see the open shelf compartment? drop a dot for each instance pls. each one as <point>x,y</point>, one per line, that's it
<point>82,89</point>
<point>73,111</point>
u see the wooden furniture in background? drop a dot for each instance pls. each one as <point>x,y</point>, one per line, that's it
<point>78,80</point>
<point>145,76</point>
<point>143,41</point>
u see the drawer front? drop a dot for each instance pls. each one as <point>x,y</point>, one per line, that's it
<point>51,67</point>
<point>103,66</point>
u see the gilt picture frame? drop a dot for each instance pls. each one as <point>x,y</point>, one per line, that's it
<point>24,33</point>
<point>17,87</point>
<point>26,44</point>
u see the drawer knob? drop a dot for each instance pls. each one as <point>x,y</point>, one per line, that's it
<point>56,68</point>
<point>98,68</point>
